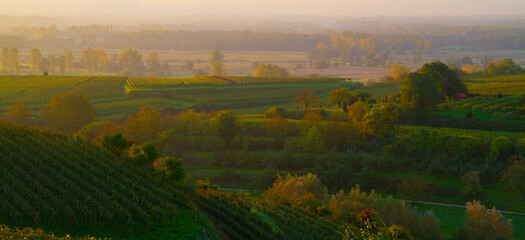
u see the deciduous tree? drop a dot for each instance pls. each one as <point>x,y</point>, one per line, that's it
<point>381,120</point>
<point>130,62</point>
<point>62,67</point>
<point>270,70</point>
<point>67,112</point>
<point>472,184</point>
<point>36,57</point>
<point>52,65</point>
<point>485,224</point>
<point>18,113</point>
<point>398,72</point>
<point>216,62</point>
<point>44,65</point>
<point>170,168</point>
<point>514,176</point>
<point>420,92</point>
<point>412,189</point>
<point>448,79</point>
<point>306,98</point>
<point>14,60</point>
<point>227,126</point>
<point>145,125</point>
<point>338,96</point>
<point>153,63</point>
<point>116,143</point>
<point>69,61</point>
<point>5,59</point>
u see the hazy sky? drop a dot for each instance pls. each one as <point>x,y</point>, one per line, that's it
<point>266,7</point>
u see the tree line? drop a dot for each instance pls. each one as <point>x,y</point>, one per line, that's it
<point>496,38</point>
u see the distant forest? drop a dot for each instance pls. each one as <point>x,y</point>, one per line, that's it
<point>104,37</point>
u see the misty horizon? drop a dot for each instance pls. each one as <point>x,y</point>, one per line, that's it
<point>333,8</point>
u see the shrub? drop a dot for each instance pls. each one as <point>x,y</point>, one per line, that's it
<point>146,153</point>
<point>502,149</point>
<point>170,168</point>
<point>275,111</point>
<point>483,223</point>
<point>471,182</point>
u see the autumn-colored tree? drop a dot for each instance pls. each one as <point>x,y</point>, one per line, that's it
<point>36,57</point>
<point>153,63</point>
<point>514,176</point>
<point>14,60</point>
<point>216,56</point>
<point>68,112</point>
<point>95,60</point>
<point>356,113</point>
<point>216,62</point>
<point>485,224</point>
<point>274,112</point>
<point>306,190</point>
<point>130,62</point>
<point>5,59</point>
<point>279,128</point>
<point>398,72</point>
<point>18,113</point>
<point>306,98</point>
<point>338,96</point>
<point>52,65</point>
<point>68,61</point>
<point>270,70</point>
<point>145,125</point>
<point>169,168</point>
<point>218,69</point>
<point>143,155</point>
<point>470,68</point>
<point>311,118</point>
<point>62,67</point>
<point>187,122</point>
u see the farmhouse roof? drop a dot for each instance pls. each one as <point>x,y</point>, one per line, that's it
<point>460,95</point>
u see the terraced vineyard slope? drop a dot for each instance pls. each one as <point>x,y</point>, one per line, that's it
<point>506,85</point>
<point>40,89</point>
<point>55,180</point>
<point>217,81</point>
